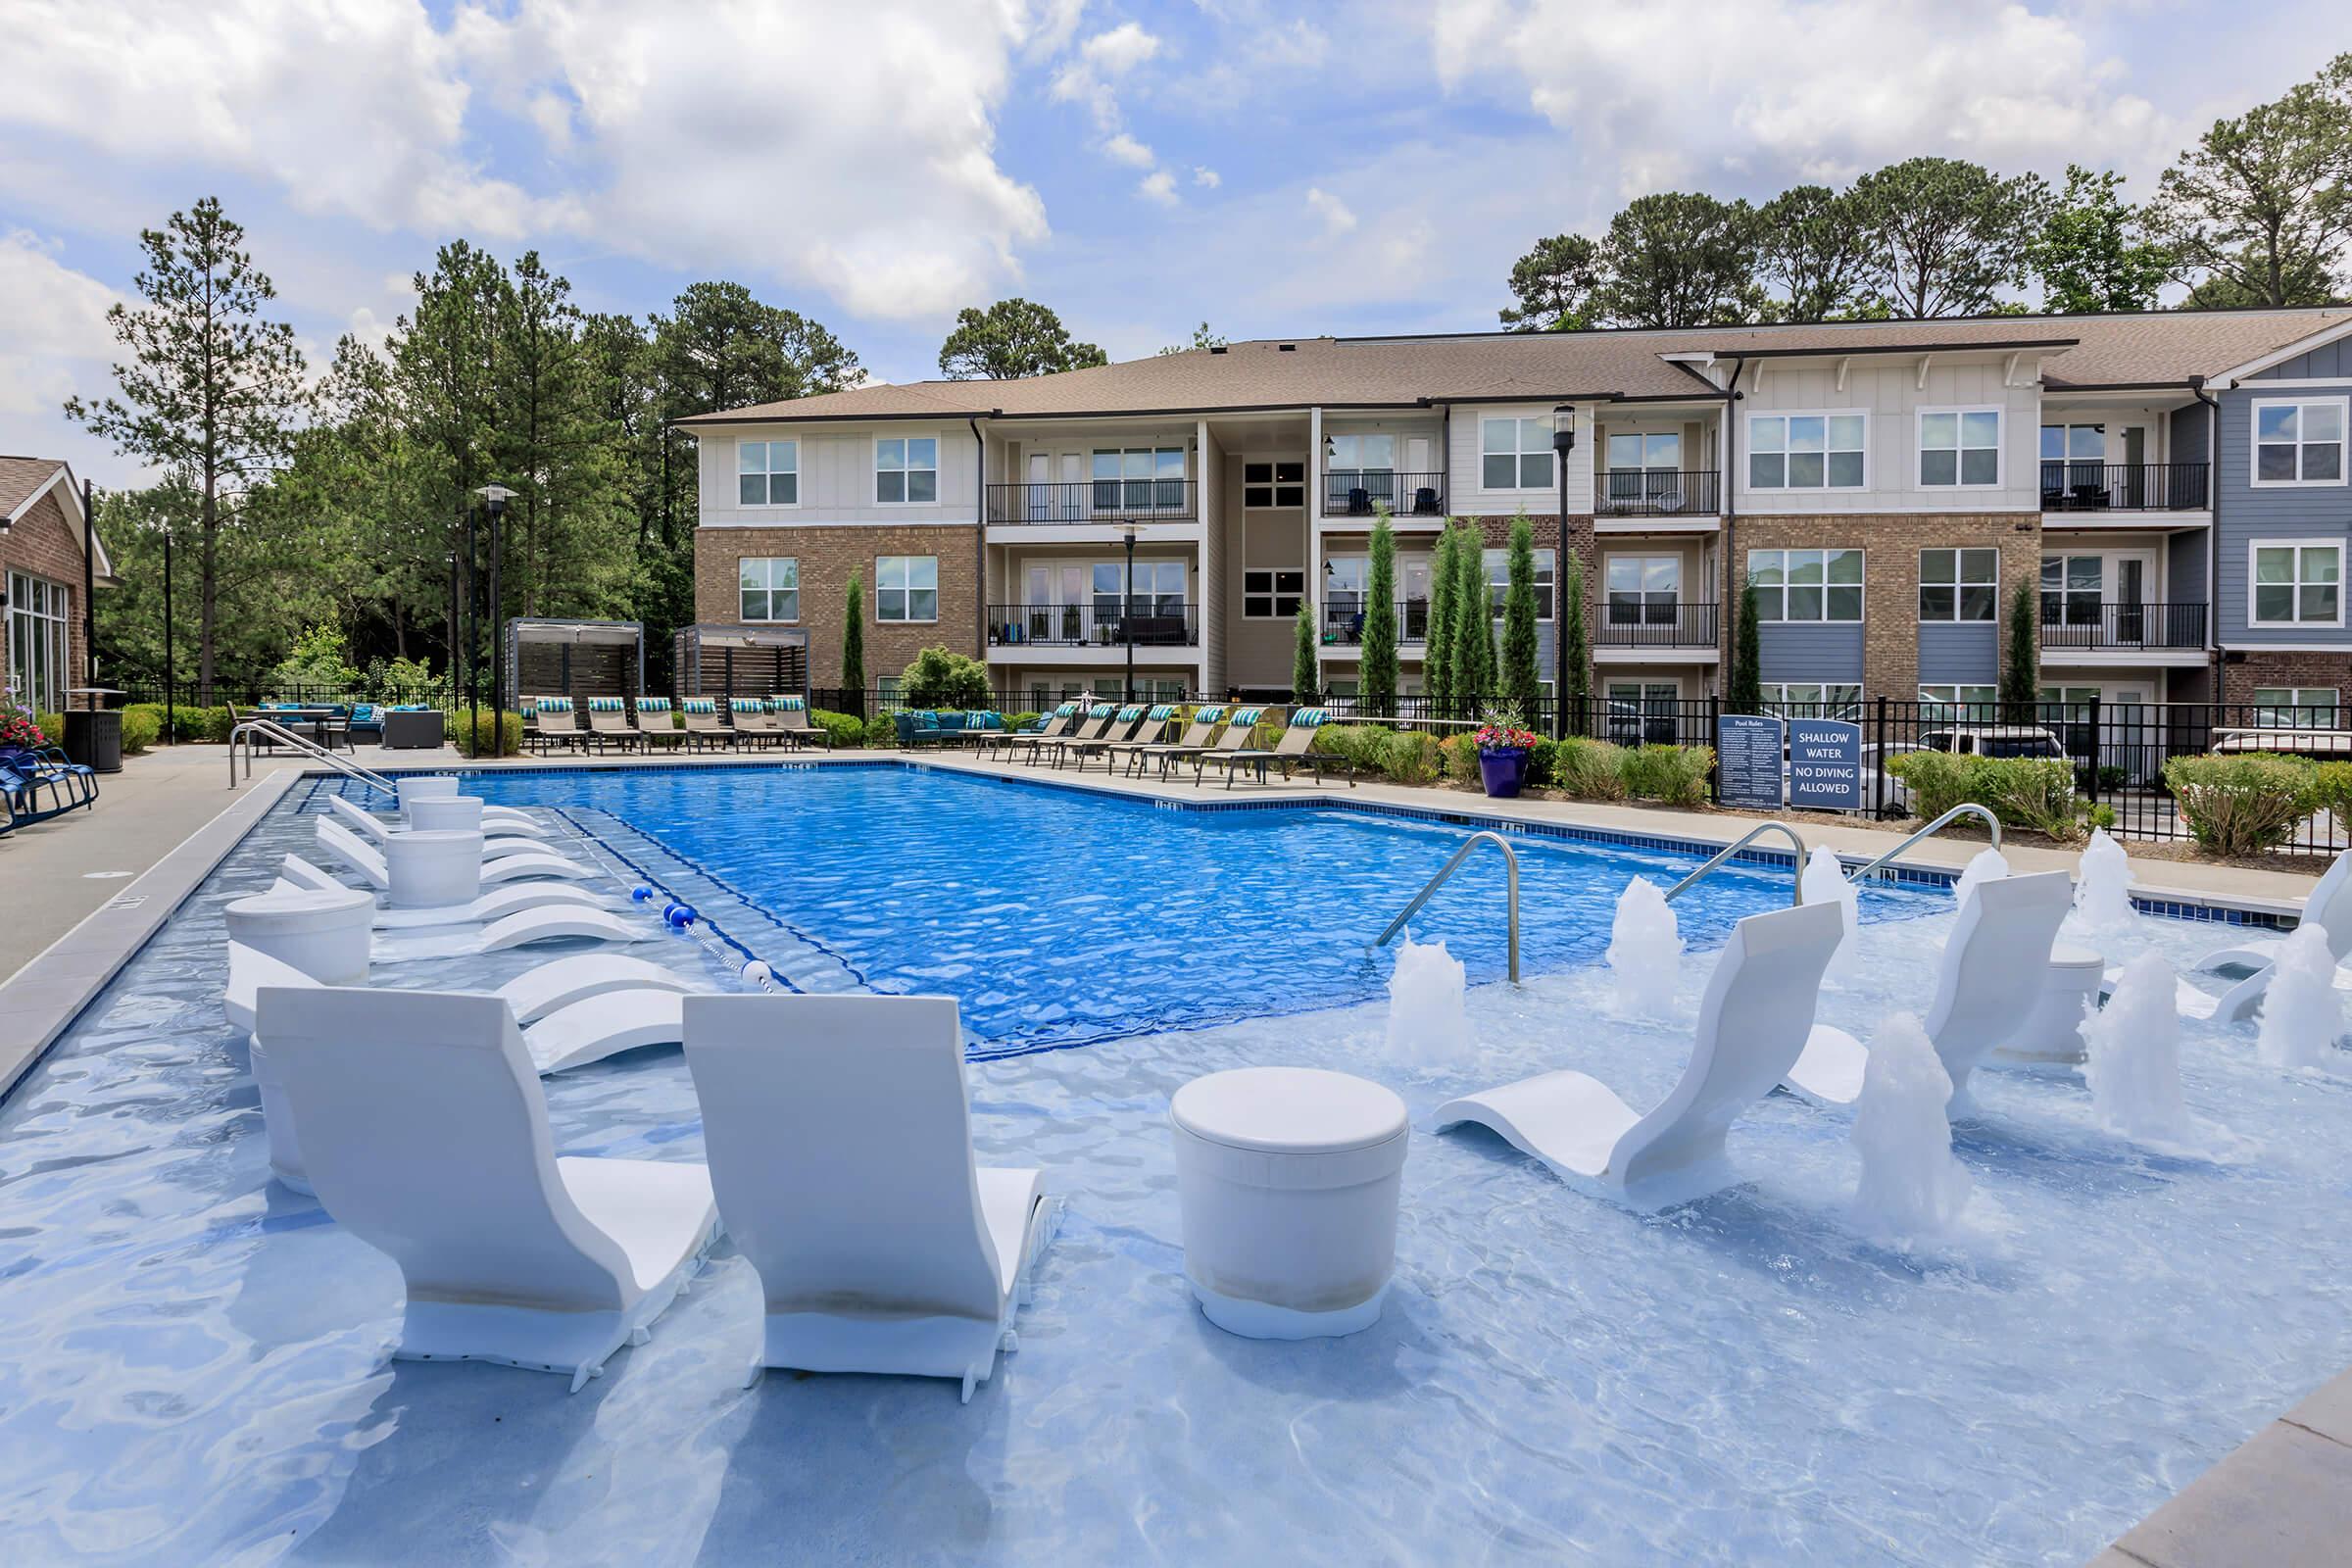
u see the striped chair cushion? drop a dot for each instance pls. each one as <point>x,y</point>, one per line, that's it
<point>701,704</point>
<point>1128,715</point>
<point>1247,716</point>
<point>605,705</point>
<point>1207,715</point>
<point>790,705</point>
<point>1310,717</point>
<point>555,705</point>
<point>746,705</point>
<point>1065,710</point>
<point>653,704</point>
<point>1164,709</point>
<point>979,718</point>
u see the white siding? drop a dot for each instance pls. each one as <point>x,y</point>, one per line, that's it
<point>1887,388</point>
<point>837,476</point>
<point>1467,495</point>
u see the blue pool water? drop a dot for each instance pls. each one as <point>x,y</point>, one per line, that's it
<point>196,1367</point>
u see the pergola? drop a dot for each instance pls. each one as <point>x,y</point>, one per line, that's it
<point>576,658</point>
<point>721,660</point>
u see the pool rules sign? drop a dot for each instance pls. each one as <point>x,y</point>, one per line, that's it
<point>1825,765</point>
<point>1747,753</point>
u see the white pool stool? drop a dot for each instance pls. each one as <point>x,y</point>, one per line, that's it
<point>297,935</point>
<point>428,869</point>
<point>1288,1178</point>
<point>2051,1037</point>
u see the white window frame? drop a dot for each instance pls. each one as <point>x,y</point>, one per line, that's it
<point>1956,706</point>
<point>1272,592</point>
<point>1134,487</point>
<point>768,575</point>
<point>1498,582</point>
<point>1642,594</point>
<point>2297,697</point>
<point>1959,585</point>
<point>2254,549</point>
<point>1522,425</point>
<point>905,591</point>
<point>1825,618</point>
<point>1747,468</point>
<point>1960,448</point>
<point>908,467</point>
<point>1777,699</point>
<point>40,642</point>
<point>2342,444</point>
<point>769,451</point>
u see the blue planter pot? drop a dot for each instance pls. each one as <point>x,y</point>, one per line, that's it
<point>1503,771</point>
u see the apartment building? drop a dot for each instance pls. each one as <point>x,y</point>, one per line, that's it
<point>44,655</point>
<point>2173,487</point>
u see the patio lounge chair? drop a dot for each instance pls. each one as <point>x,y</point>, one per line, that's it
<point>654,723</point>
<point>1152,732</point>
<point>551,721</point>
<point>1061,721</point>
<point>703,729</point>
<point>1296,741</point>
<point>1751,1027</point>
<point>1985,984</point>
<point>1096,727</point>
<point>295,872</point>
<point>35,794</point>
<point>754,722</point>
<point>609,724</point>
<point>913,1262</point>
<point>791,712</point>
<point>1192,743</point>
<point>425,1135</point>
<point>1125,725</point>
<point>2248,963</point>
<point>353,851</point>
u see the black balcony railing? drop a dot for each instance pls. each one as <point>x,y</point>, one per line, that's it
<point>1359,492</point>
<point>1098,501</point>
<point>1655,492</point>
<point>1153,622</point>
<point>1630,620</point>
<point>2068,486</point>
<point>2074,621</point>
<point>1343,620</point>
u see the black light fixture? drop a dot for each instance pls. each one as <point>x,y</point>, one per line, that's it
<point>1563,430</point>
<point>1563,442</point>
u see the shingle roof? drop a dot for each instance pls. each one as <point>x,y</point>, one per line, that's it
<point>23,477</point>
<point>2083,351</point>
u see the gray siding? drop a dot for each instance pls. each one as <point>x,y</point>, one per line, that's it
<point>1803,650</point>
<point>2185,439</point>
<point>2247,514</point>
<point>1958,651</point>
<point>2327,362</point>
<point>2185,568</point>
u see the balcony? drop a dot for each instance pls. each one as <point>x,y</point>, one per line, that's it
<point>1361,492</point>
<point>1656,493</point>
<point>1151,622</point>
<point>1099,502</point>
<point>1631,622</point>
<point>1344,620</point>
<point>2072,623</point>
<point>2123,486</point>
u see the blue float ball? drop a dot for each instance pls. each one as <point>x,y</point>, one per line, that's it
<point>680,915</point>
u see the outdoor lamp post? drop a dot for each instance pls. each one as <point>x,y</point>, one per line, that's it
<point>171,713</point>
<point>494,498</point>
<point>1563,442</point>
<point>473,632</point>
<point>1127,620</point>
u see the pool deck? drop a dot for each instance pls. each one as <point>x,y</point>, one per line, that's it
<point>2283,1497</point>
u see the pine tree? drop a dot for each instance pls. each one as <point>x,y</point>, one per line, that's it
<point>1520,686</point>
<point>1305,680</point>
<point>2021,680</point>
<point>852,648</point>
<point>568,533</point>
<point>1379,660</point>
<point>1746,691</point>
<point>1437,653</point>
<point>211,391</point>
<point>1473,628</point>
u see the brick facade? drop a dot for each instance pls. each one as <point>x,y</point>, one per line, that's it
<point>45,543</point>
<point>2328,672</point>
<point>1891,543</point>
<point>827,556</point>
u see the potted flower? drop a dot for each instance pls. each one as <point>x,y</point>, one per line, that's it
<point>1503,748</point>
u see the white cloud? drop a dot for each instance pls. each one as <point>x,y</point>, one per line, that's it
<point>1338,217</point>
<point>1206,179</point>
<point>55,321</point>
<point>1125,149</point>
<point>1120,50</point>
<point>1159,187</point>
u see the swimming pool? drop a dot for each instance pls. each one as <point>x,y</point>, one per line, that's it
<point>197,1368</point>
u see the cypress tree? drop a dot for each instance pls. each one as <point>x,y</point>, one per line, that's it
<point>1520,685</point>
<point>853,648</point>
<point>1437,655</point>
<point>1580,659</point>
<point>1473,628</point>
<point>1307,688</point>
<point>1746,691</point>
<point>1379,661</point>
<point>2020,679</point>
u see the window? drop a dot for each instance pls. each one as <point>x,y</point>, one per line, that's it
<point>1515,454</point>
<point>906,471</point>
<point>2296,584</point>
<point>1960,447</point>
<point>907,587</point>
<point>1655,453</point>
<point>2073,455</point>
<point>1272,593</point>
<point>1643,711</point>
<point>1271,482</point>
<point>1498,582</point>
<point>1812,699</point>
<point>1807,584</point>
<point>2299,443</point>
<point>1805,450</point>
<point>1952,704</point>
<point>771,587</point>
<point>767,474</point>
<point>1363,454</point>
<point>1642,589</point>
<point>39,613</point>
<point>1959,584</point>
<point>886,689</point>
<point>2296,706</point>
<point>1147,478</point>
<point>2072,587</point>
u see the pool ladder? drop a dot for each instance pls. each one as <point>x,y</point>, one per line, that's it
<point>277,734</point>
<point>1964,808</point>
<point>1511,863</point>
<point>1796,892</point>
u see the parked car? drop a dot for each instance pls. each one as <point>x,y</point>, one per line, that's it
<point>2320,745</point>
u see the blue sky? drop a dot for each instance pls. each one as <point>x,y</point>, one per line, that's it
<point>1360,167</point>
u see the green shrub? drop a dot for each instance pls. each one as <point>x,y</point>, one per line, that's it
<point>1674,774</point>
<point>2112,778</point>
<point>2332,783</point>
<point>2028,792</point>
<point>882,729</point>
<point>841,730</point>
<point>1588,770</point>
<point>1024,721</point>
<point>1460,754</point>
<point>1359,745</point>
<point>2242,804</point>
<point>1409,756</point>
<point>211,724</point>
<point>53,727</point>
<point>2103,815</point>
<point>1937,780</point>
<point>502,730</point>
<point>939,678</point>
<point>143,723</point>
<point>1542,759</point>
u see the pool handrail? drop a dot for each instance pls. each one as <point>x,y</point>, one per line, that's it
<point>269,730</point>
<point>1796,892</point>
<point>1510,861</point>
<point>1964,808</point>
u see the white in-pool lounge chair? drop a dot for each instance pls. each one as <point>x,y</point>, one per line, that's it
<point>1751,1025</point>
<point>840,1140</point>
<point>376,830</point>
<point>1989,978</point>
<point>346,846</point>
<point>425,1135</point>
<point>537,994</point>
<point>2248,962</point>
<point>295,872</point>
<point>559,922</point>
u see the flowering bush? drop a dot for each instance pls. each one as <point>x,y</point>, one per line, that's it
<point>18,728</point>
<point>1504,737</point>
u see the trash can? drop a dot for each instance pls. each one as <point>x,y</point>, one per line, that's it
<point>94,738</point>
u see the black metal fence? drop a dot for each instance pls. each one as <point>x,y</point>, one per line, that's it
<point>1148,621</point>
<point>2099,625</point>
<point>1362,492</point>
<point>1656,492</point>
<point>1094,501</point>
<point>2071,486</point>
<point>1635,620</point>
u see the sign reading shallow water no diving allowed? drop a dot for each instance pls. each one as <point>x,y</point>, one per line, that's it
<point>1825,765</point>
